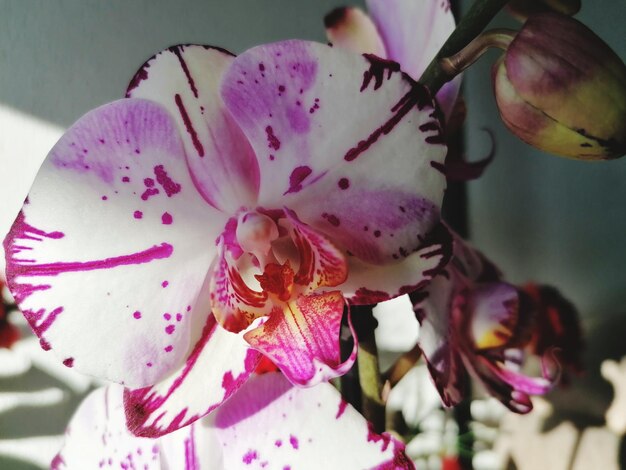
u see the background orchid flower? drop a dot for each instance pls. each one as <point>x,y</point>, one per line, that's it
<point>255,429</point>
<point>409,32</point>
<point>473,321</point>
<point>228,208</point>
<point>556,326</point>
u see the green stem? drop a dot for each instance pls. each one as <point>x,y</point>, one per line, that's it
<point>499,38</point>
<point>372,405</point>
<point>470,26</point>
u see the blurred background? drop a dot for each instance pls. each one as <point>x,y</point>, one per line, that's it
<point>539,217</point>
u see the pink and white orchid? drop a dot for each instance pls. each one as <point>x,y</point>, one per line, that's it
<point>229,208</point>
<point>473,321</point>
<point>409,32</point>
<point>269,423</point>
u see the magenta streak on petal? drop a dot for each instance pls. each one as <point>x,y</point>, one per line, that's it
<point>298,175</point>
<point>231,383</point>
<point>139,77</point>
<point>20,231</point>
<point>164,250</point>
<point>293,440</point>
<point>34,317</point>
<point>177,51</point>
<point>169,186</point>
<point>377,70</point>
<point>191,458</point>
<point>400,460</point>
<point>57,463</point>
<point>342,408</point>
<point>166,219</point>
<point>141,403</point>
<point>373,436</point>
<point>272,140</point>
<point>188,125</point>
<point>418,95</point>
<point>69,362</point>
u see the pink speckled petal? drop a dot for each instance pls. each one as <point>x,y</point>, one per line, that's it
<point>219,363</point>
<point>345,141</point>
<point>270,423</point>
<point>351,29</point>
<point>96,437</point>
<point>111,250</point>
<point>413,32</point>
<point>437,341</point>
<point>233,302</point>
<point>321,263</point>
<point>510,387</point>
<point>303,339</point>
<point>369,284</point>
<point>494,309</point>
<point>185,79</point>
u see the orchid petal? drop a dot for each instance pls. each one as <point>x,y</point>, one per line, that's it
<point>351,29</point>
<point>510,387</point>
<point>218,365</point>
<point>397,327</point>
<point>321,263</point>
<point>494,310</point>
<point>122,252</point>
<point>234,303</point>
<point>271,424</point>
<point>436,339</point>
<point>368,284</point>
<point>303,339</point>
<point>371,167</point>
<point>97,438</point>
<point>413,32</point>
<point>185,80</point>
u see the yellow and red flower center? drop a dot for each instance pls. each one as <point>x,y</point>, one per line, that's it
<point>277,279</point>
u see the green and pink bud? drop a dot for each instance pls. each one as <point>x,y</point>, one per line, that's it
<point>561,89</point>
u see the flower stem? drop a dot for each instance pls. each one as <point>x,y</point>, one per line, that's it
<point>455,64</point>
<point>373,407</point>
<point>470,26</point>
<point>402,365</point>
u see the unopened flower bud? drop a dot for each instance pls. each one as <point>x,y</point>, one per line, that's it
<point>561,89</point>
<point>522,9</point>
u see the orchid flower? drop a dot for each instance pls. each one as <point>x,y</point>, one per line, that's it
<point>556,326</point>
<point>409,32</point>
<point>472,320</point>
<point>253,430</point>
<point>227,209</point>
